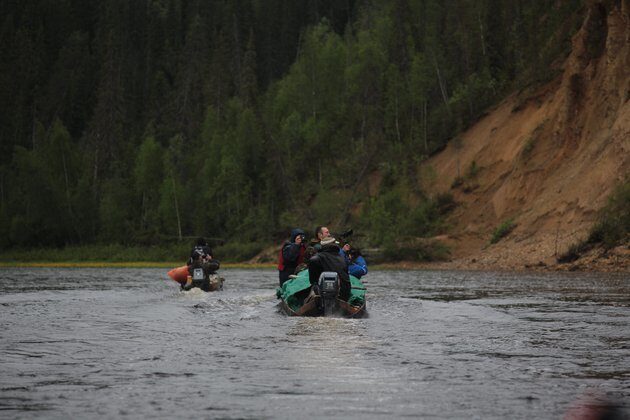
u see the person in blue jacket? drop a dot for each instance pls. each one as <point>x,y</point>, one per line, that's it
<point>357,266</point>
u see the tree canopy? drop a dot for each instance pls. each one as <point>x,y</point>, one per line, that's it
<point>140,122</point>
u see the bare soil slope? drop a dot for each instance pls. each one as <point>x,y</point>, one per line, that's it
<point>547,160</point>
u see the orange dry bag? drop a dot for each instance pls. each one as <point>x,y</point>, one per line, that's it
<point>179,274</point>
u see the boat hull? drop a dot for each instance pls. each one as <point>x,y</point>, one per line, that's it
<point>297,299</point>
<point>313,308</point>
<point>180,275</point>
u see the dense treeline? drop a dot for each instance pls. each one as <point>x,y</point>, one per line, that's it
<point>144,121</point>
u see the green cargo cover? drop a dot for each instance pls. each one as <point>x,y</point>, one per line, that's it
<point>291,288</point>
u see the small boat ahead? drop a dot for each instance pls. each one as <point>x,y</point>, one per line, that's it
<point>296,298</point>
<point>209,283</point>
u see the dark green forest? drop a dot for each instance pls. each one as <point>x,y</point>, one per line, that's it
<point>148,122</point>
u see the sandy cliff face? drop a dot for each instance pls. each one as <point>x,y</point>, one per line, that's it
<point>548,160</point>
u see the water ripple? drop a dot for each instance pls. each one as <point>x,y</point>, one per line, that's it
<point>110,343</point>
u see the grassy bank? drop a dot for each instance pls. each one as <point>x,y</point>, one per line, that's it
<point>123,256</point>
<point>119,256</point>
<point>127,264</point>
<point>169,265</point>
<point>95,254</point>
<point>235,255</point>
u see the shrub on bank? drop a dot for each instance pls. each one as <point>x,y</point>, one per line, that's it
<point>98,253</point>
<point>502,231</point>
<point>231,252</point>
<point>611,229</point>
<point>237,251</point>
<point>420,251</point>
<point>613,225</point>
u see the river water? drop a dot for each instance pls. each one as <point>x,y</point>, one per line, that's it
<point>126,343</point>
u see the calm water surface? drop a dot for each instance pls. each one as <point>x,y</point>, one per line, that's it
<point>116,343</point>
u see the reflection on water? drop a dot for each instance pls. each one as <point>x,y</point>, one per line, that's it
<point>127,343</point>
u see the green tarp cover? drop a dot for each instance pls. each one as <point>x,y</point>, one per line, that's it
<point>291,288</point>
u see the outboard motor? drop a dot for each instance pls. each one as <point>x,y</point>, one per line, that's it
<point>200,278</point>
<point>198,274</point>
<point>328,285</point>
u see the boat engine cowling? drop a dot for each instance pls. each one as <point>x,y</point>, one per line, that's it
<point>198,274</point>
<point>199,278</point>
<point>328,285</point>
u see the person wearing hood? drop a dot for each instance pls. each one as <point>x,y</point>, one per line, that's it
<point>291,254</point>
<point>200,250</point>
<point>328,258</point>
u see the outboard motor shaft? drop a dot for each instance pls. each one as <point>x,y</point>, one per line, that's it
<point>329,290</point>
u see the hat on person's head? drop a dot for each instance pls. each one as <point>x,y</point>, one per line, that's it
<point>296,232</point>
<point>328,240</point>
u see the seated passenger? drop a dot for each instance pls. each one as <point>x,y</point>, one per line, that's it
<point>201,248</point>
<point>321,232</point>
<point>328,258</point>
<point>200,266</point>
<point>199,272</point>
<point>357,266</point>
<point>291,255</point>
<point>308,253</point>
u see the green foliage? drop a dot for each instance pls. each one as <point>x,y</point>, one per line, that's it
<point>613,225</point>
<point>172,191</point>
<point>383,217</point>
<point>389,219</point>
<point>528,147</point>
<point>242,119</point>
<point>49,190</point>
<point>473,170</point>
<point>148,172</point>
<point>148,167</point>
<point>445,202</point>
<point>425,251</point>
<point>467,182</point>
<point>117,211</point>
<point>611,229</point>
<point>98,253</point>
<point>574,252</point>
<point>502,230</point>
<point>237,251</point>
<point>329,204</point>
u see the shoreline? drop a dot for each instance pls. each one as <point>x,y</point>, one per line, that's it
<point>456,265</point>
<point>107,264</point>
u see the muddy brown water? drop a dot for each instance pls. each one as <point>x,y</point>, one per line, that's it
<point>126,343</point>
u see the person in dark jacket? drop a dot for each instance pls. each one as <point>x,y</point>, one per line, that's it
<point>199,273</point>
<point>201,266</point>
<point>328,258</point>
<point>308,253</point>
<point>291,254</point>
<point>201,249</point>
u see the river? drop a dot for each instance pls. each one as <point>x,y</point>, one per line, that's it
<point>126,343</point>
